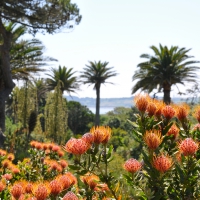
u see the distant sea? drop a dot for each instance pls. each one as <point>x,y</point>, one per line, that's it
<point>103,110</point>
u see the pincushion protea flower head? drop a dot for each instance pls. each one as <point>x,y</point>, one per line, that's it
<point>76,146</point>
<point>64,181</point>
<point>41,190</point>
<point>17,190</point>
<point>182,111</point>
<point>72,178</point>
<point>3,152</point>
<point>101,134</point>
<point>55,187</point>
<point>196,127</point>
<point>10,156</point>
<point>132,165</point>
<point>159,106</point>
<point>90,179</point>
<point>168,112</point>
<point>151,108</point>
<point>162,163</point>
<point>7,176</point>
<point>196,113</point>
<point>141,102</point>
<point>174,130</point>
<point>70,196</point>
<point>153,138</point>
<point>88,137</point>
<point>188,147</point>
<point>2,185</point>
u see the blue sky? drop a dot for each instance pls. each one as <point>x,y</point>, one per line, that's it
<point>119,32</point>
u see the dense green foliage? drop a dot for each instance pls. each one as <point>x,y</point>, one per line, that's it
<point>80,118</point>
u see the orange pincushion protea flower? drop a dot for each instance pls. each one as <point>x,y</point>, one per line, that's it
<point>162,163</point>
<point>41,191</point>
<point>182,111</point>
<point>55,148</point>
<point>2,185</point>
<point>53,165</point>
<point>55,187</point>
<point>141,102</point>
<point>196,127</point>
<point>90,179</point>
<point>174,130</point>
<point>70,196</point>
<point>168,112</point>
<point>76,146</point>
<point>151,108</point>
<point>28,187</point>
<point>153,138</point>
<point>101,187</point>
<point>72,178</point>
<point>188,147</point>
<point>196,113</point>
<point>64,181</point>
<point>159,106</point>
<point>101,134</point>
<point>132,165</point>
<point>88,137</point>
<point>63,163</point>
<point>17,190</point>
<point>10,156</point>
<point>6,163</point>
<point>7,176</point>
<point>3,152</point>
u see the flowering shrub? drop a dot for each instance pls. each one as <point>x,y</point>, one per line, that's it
<point>168,166</point>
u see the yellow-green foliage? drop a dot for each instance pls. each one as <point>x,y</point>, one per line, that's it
<point>24,101</point>
<point>56,116</point>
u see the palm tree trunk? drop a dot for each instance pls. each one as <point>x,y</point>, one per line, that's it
<point>97,116</point>
<point>6,82</point>
<point>167,98</point>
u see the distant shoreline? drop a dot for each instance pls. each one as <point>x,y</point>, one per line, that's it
<point>112,102</point>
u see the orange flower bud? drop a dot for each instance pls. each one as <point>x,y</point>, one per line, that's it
<point>174,130</point>
<point>132,165</point>
<point>162,163</point>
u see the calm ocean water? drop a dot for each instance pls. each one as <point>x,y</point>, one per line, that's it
<point>103,110</point>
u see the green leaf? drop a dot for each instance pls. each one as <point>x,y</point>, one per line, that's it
<point>73,167</point>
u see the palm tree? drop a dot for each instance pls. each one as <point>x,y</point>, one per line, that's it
<point>25,58</point>
<point>69,82</point>
<point>95,74</point>
<point>166,68</point>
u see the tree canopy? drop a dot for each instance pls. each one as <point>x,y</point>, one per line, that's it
<point>167,67</point>
<point>40,15</point>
